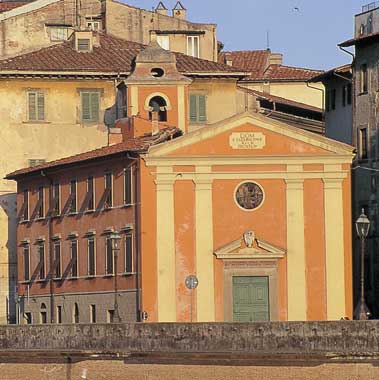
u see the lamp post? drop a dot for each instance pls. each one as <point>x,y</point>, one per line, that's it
<point>115,239</point>
<point>363,226</point>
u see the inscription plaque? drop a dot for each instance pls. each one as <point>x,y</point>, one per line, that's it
<point>247,140</point>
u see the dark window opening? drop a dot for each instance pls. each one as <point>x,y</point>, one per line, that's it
<point>74,258</point>
<point>157,72</point>
<point>108,190</point>
<point>26,262</point>
<point>41,202</point>
<point>28,318</point>
<point>158,108</point>
<point>93,313</point>
<point>59,314</point>
<point>72,208</point>
<point>56,199</point>
<point>90,194</point>
<point>363,143</point>
<point>91,257</point>
<point>364,78</point>
<point>76,318</point>
<point>128,253</point>
<point>41,256</point>
<point>128,186</point>
<point>109,257</point>
<point>57,259</point>
<point>25,206</point>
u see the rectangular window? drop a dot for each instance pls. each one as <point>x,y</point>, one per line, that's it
<point>41,257</point>
<point>108,184</point>
<point>41,202</point>
<point>84,44</point>
<point>193,46</point>
<point>57,259</point>
<point>58,34</point>
<point>36,106</point>
<point>74,258</point>
<point>90,106</point>
<point>28,318</point>
<point>363,143</point>
<point>25,205</point>
<point>92,309</point>
<point>128,253</point>
<point>43,317</point>
<point>164,41</point>
<point>26,253</point>
<point>364,78</point>
<point>91,256</point>
<point>90,194</point>
<point>349,93</point>
<point>110,316</point>
<point>198,108</point>
<point>73,196</point>
<point>333,99</point>
<point>128,186</point>
<point>109,257</point>
<point>93,25</point>
<point>59,314</point>
<point>56,200</point>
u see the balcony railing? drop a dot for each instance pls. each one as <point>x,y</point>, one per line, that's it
<point>370,6</point>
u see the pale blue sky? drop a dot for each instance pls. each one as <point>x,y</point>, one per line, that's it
<point>307,38</point>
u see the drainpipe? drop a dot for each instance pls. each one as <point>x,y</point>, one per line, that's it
<point>51,254</point>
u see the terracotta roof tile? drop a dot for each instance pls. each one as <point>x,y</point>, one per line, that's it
<point>9,5</point>
<point>138,144</point>
<point>288,72</point>
<point>114,55</point>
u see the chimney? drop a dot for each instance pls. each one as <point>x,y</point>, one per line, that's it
<point>179,11</point>
<point>275,59</point>
<point>114,136</point>
<point>83,41</point>
<point>161,9</point>
<point>228,59</point>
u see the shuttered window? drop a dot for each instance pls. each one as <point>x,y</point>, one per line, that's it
<point>36,106</point>
<point>90,106</point>
<point>198,108</point>
<point>128,186</point>
<point>128,253</point>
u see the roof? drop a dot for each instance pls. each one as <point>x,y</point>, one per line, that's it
<point>8,5</point>
<point>257,63</point>
<point>138,144</point>
<point>278,99</point>
<point>364,38</point>
<point>112,56</point>
<point>344,70</point>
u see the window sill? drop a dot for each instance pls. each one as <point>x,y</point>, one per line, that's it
<point>89,211</point>
<point>36,122</point>
<point>39,219</point>
<point>126,205</point>
<point>72,278</point>
<point>108,275</point>
<point>90,277</point>
<point>363,93</point>
<point>72,213</point>
<point>57,278</point>
<point>41,280</point>
<point>26,282</point>
<point>128,274</point>
<point>24,221</point>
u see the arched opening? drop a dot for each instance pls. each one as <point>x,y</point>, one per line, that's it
<point>75,313</point>
<point>158,109</point>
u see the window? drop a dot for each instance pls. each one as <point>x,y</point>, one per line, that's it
<point>110,316</point>
<point>26,254</point>
<point>158,109</point>
<point>59,314</point>
<point>93,25</point>
<point>57,259</point>
<point>128,186</point>
<point>84,44</point>
<point>193,44</point>
<point>333,99</point>
<point>41,202</point>
<point>73,196</point>
<point>36,106</point>
<point>362,141</point>
<point>36,161</point>
<point>108,182</point>
<point>349,93</point>
<point>198,108</point>
<point>128,253</point>
<point>43,314</point>
<point>364,78</point>
<point>74,257</point>
<point>28,318</point>
<point>109,257</point>
<point>56,200</point>
<point>75,313</point>
<point>90,106</point>
<point>41,257</point>
<point>164,41</point>
<point>25,205</point>
<point>90,194</point>
<point>58,34</point>
<point>92,309</point>
<point>91,256</point>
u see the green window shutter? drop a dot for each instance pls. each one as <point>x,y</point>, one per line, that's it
<point>193,108</point>
<point>86,110</point>
<point>202,108</point>
<point>41,106</point>
<point>32,111</point>
<point>94,106</point>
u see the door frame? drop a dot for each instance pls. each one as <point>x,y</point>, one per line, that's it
<point>251,268</point>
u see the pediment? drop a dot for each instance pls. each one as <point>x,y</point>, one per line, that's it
<point>249,247</point>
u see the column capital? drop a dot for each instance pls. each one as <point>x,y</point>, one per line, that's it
<point>164,184</point>
<point>332,183</point>
<point>203,183</point>
<point>295,183</point>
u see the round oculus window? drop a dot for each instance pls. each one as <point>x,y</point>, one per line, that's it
<point>249,195</point>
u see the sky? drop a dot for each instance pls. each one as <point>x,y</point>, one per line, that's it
<point>306,37</point>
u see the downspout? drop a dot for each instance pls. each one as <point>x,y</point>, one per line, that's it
<point>50,238</point>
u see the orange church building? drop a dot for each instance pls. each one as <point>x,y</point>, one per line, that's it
<point>256,211</point>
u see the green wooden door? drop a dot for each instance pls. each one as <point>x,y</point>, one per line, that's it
<point>250,299</point>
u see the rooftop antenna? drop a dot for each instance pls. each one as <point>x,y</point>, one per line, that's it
<point>268,39</point>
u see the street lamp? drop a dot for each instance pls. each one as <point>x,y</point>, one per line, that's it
<point>115,239</point>
<point>363,226</point>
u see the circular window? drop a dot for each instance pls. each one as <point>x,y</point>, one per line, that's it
<point>157,72</point>
<point>249,195</point>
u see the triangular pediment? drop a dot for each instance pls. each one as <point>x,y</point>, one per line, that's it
<point>250,134</point>
<point>249,247</point>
